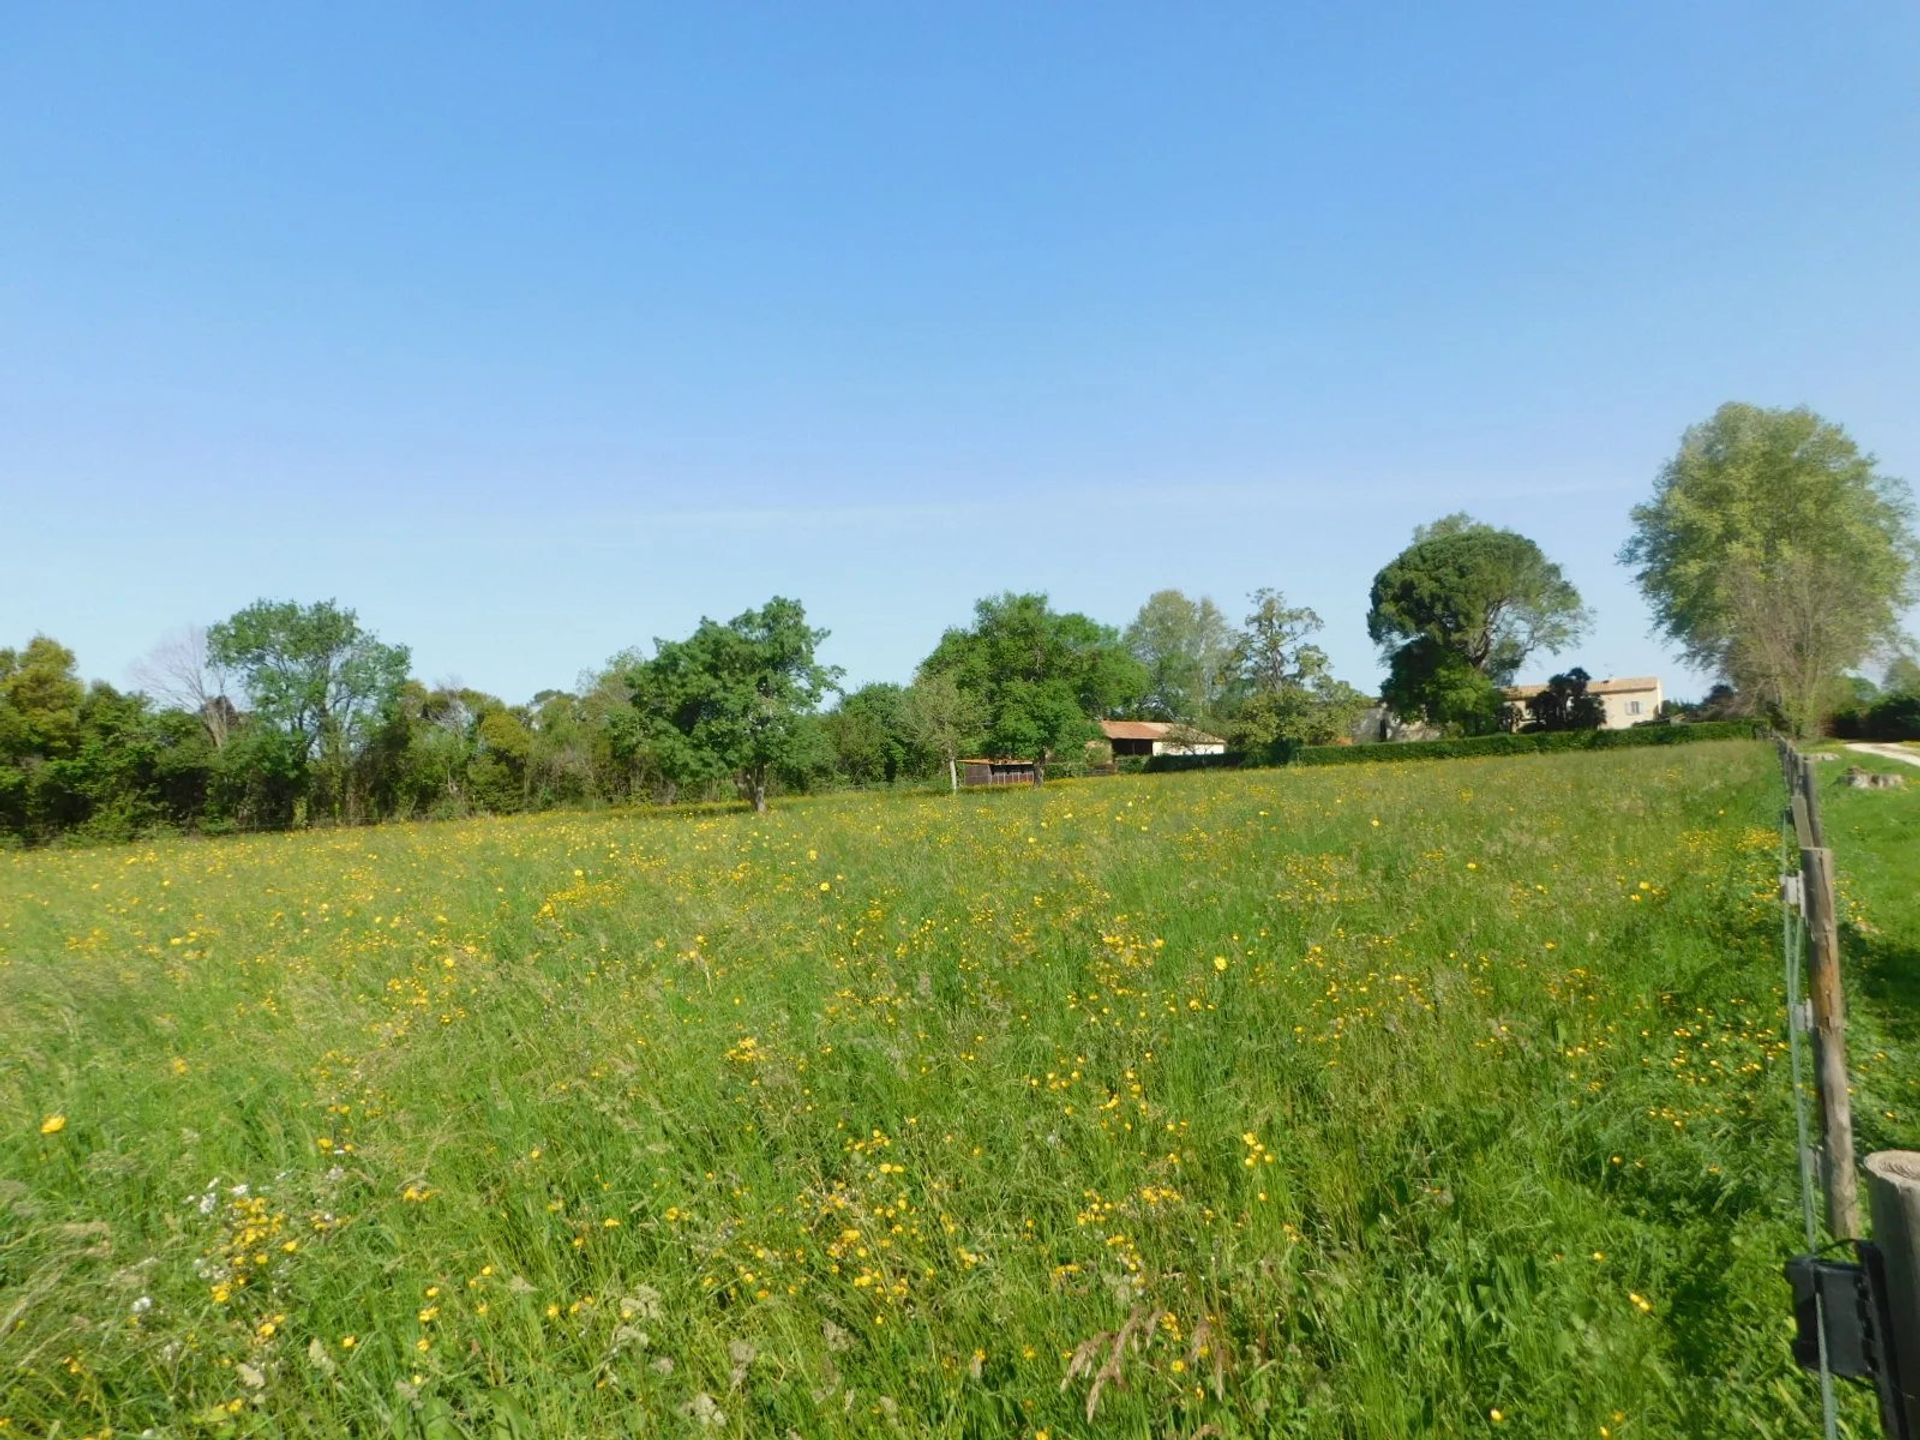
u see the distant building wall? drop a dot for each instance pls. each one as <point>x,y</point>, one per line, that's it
<point>1624,703</point>
<point>1627,708</point>
<point>1379,724</point>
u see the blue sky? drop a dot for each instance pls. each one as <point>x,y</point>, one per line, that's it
<point>537,334</point>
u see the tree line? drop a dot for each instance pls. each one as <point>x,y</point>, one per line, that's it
<point>1773,553</point>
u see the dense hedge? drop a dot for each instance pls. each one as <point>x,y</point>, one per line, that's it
<point>1229,760</point>
<point>1891,717</point>
<point>1390,751</point>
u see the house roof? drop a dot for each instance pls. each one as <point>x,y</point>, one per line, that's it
<point>1632,686</point>
<point>1156,730</point>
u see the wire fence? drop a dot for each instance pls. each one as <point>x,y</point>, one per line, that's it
<point>1795,828</point>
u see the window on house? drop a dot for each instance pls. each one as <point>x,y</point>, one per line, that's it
<point>1633,707</point>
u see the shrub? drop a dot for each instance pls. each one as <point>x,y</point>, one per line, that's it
<point>1891,717</point>
<point>1226,760</point>
<point>1532,744</point>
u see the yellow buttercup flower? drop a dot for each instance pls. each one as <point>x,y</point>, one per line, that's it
<point>53,1124</point>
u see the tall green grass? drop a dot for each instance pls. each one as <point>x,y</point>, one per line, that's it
<point>1379,1101</point>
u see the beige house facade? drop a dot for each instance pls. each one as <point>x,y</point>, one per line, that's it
<point>1627,702</point>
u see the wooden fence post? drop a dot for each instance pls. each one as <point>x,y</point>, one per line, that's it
<point>1830,1043</point>
<point>1809,789</point>
<point>1802,821</point>
<point>1893,1195</point>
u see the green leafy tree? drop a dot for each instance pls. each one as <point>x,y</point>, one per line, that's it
<point>1432,680</point>
<point>617,736</point>
<point>312,673</point>
<point>1271,651</point>
<point>869,735</point>
<point>500,745</point>
<point>1185,646</point>
<point>809,764</point>
<point>40,699</point>
<point>732,699</point>
<point>560,769</point>
<point>40,695</point>
<point>1902,676</point>
<point>1856,690</point>
<point>1775,552</point>
<point>90,760</point>
<point>943,720</point>
<point>1282,685</point>
<point>1459,611</point>
<point>1566,704</point>
<point>1042,677</point>
<point>136,772</point>
<point>438,742</point>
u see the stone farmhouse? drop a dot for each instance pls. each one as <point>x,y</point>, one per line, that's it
<point>1627,702</point>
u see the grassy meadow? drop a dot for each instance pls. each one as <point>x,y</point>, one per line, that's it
<point>1371,1101</point>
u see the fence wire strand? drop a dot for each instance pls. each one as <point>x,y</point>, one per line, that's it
<point>1793,940</point>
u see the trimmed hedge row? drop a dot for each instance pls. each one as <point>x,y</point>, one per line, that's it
<point>1396,750</point>
<point>1391,751</point>
<point>1891,717</point>
<point>1228,760</point>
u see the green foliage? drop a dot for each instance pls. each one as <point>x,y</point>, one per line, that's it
<point>1891,713</point>
<point>1283,691</point>
<point>1459,611</point>
<point>871,740</point>
<point>1041,677</point>
<point>1427,679</point>
<point>88,761</point>
<point>732,700</point>
<point>1317,712</point>
<point>1886,717</point>
<point>1226,760</point>
<point>40,695</point>
<point>1185,648</point>
<point>1566,704</point>
<point>943,720</point>
<point>560,756</point>
<point>1488,595</point>
<point>1775,553</point>
<point>1539,743</point>
<point>498,774</point>
<point>314,675</point>
<point>1271,652</point>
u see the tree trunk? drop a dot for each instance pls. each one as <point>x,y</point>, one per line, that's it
<point>757,785</point>
<point>953,774</point>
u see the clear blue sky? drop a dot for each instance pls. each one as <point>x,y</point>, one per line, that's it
<point>533,336</point>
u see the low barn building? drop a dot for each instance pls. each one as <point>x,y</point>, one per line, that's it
<point>1159,737</point>
<point>1627,702</point>
<point>999,770</point>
